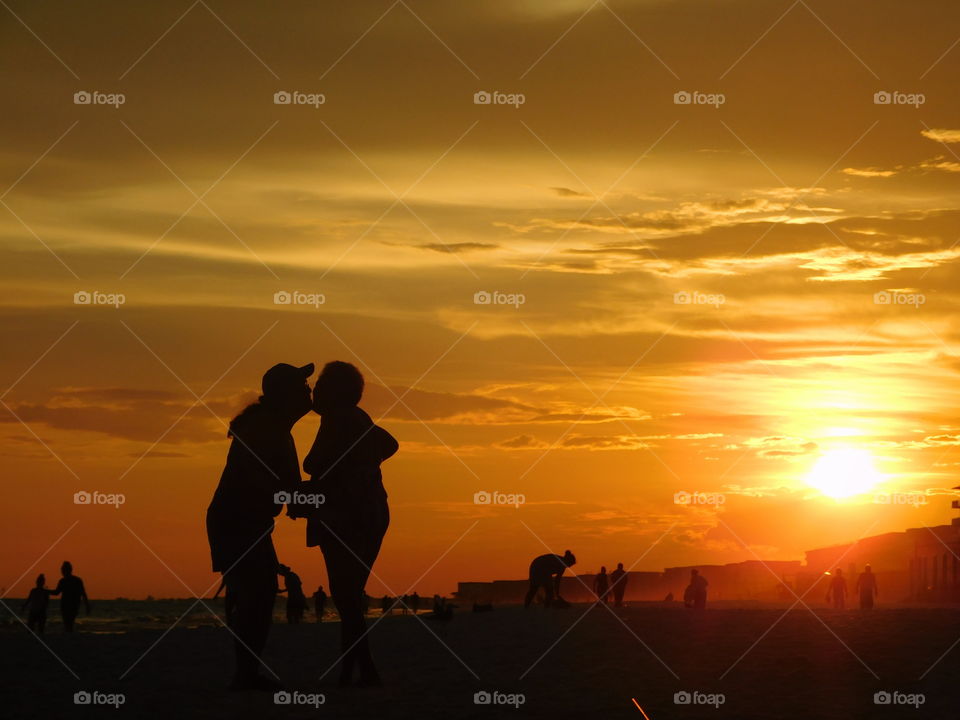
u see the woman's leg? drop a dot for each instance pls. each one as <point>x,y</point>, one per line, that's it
<point>349,553</point>
<point>344,576</point>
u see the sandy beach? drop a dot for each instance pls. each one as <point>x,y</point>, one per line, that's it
<point>578,662</point>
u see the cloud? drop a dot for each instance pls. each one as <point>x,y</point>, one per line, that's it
<point>567,192</point>
<point>869,172</point>
<point>942,135</point>
<point>940,163</point>
<point>522,442</point>
<point>459,247</point>
<point>128,413</point>
<point>779,446</point>
<point>603,442</point>
<point>449,407</point>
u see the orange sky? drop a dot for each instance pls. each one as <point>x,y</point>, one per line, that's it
<point>781,214</point>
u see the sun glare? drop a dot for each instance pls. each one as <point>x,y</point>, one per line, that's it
<point>845,472</point>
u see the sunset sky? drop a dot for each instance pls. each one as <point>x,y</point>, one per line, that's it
<point>780,214</point>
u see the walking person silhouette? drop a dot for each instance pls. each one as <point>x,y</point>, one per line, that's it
<point>867,588</point>
<point>261,467</point>
<point>71,591</point>
<point>601,586</point>
<point>37,602</point>
<point>837,593</point>
<point>296,599</point>
<point>344,465</point>
<point>319,603</point>
<point>618,584</point>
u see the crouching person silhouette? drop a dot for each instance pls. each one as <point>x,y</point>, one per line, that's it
<point>344,465</point>
<point>262,466</point>
<point>546,572</point>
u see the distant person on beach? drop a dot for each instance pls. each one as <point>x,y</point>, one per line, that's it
<point>349,526</point>
<point>618,579</point>
<point>405,604</point>
<point>296,600</point>
<point>837,594</point>
<point>385,604</point>
<point>261,470</point>
<point>37,602</point>
<point>601,585</point>
<point>319,603</point>
<point>415,602</point>
<point>71,592</point>
<point>867,588</point>
<point>695,596</point>
<point>442,610</point>
<point>546,572</point>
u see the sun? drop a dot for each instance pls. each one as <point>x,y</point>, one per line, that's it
<point>844,472</point>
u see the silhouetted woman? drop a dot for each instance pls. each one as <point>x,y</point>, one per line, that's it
<point>344,465</point>
<point>601,585</point>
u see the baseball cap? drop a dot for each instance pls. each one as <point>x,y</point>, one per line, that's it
<point>282,377</point>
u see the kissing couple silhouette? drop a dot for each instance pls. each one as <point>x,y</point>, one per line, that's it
<point>344,503</point>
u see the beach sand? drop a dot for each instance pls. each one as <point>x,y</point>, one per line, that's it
<point>572,663</point>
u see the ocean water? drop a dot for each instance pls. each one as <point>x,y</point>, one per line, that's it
<point>122,615</point>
